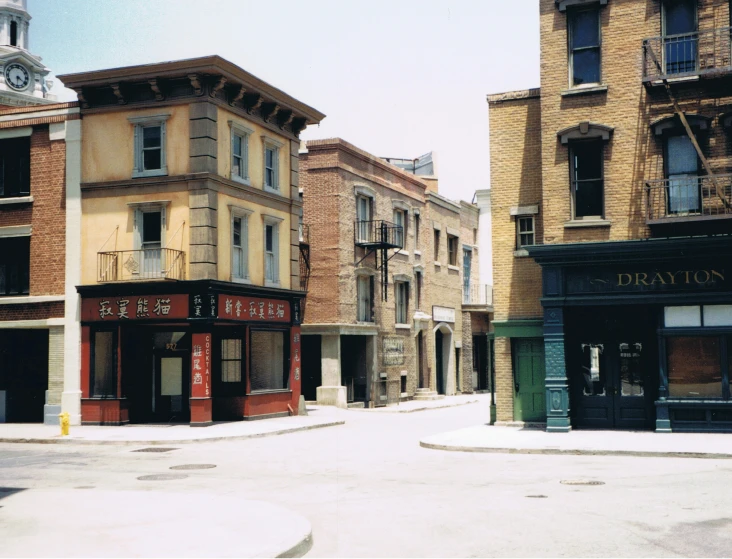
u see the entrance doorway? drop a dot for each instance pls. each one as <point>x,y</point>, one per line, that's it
<point>443,350</point>
<point>480,363</point>
<point>312,372</point>
<point>422,373</point>
<point>616,391</point>
<point>23,375</point>
<point>354,368</point>
<point>529,402</point>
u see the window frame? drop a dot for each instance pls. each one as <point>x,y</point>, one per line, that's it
<point>681,133</point>
<point>92,364</point>
<point>452,250</point>
<point>368,280</point>
<point>242,214</point>
<point>400,214</point>
<point>571,13</point>
<point>401,301</point>
<point>269,143</point>
<point>417,219</point>
<point>418,279</point>
<point>274,222</point>
<point>140,123</point>
<point>245,133</point>
<point>532,232</point>
<point>285,360</point>
<point>23,187</point>
<point>572,181</point>
<point>436,241</point>
<point>22,264</point>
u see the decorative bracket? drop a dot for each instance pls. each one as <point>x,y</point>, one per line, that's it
<point>118,93</point>
<point>270,111</point>
<point>239,96</point>
<point>298,125</point>
<point>197,87</point>
<point>156,89</point>
<point>82,98</point>
<point>283,119</point>
<point>255,105</point>
<point>218,87</point>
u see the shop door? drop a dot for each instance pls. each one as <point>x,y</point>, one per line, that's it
<point>171,390</point>
<point>529,403</point>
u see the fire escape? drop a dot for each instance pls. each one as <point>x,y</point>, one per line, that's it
<point>378,237</point>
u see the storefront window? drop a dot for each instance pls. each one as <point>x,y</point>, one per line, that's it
<point>231,357</point>
<point>268,370</point>
<point>694,367</point>
<point>631,374</point>
<point>104,377</point>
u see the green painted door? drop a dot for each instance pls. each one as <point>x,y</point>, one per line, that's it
<point>529,402</point>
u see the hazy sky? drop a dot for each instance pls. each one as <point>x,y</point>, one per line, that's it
<point>397,78</point>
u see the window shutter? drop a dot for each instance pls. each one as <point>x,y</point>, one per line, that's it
<point>276,251</point>
<point>245,156</point>
<point>231,159</point>
<point>137,229</point>
<point>276,166</point>
<point>138,149</point>
<point>163,148</point>
<point>245,244</point>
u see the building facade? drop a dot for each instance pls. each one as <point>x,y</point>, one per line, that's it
<point>384,319</point>
<point>190,286</point>
<point>611,206</point>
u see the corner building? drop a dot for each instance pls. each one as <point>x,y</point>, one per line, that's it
<point>612,199</point>
<point>190,287</point>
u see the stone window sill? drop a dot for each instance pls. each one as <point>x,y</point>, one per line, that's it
<point>438,265</point>
<point>151,173</point>
<point>521,253</point>
<point>453,268</point>
<point>17,200</point>
<point>403,252</point>
<point>417,253</point>
<point>403,326</point>
<point>584,90</point>
<point>587,223</point>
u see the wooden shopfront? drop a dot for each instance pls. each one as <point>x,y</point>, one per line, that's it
<point>193,352</point>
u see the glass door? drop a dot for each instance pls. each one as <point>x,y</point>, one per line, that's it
<point>171,383</point>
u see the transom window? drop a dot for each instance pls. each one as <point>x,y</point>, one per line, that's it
<point>15,167</point>
<point>586,158</point>
<point>584,46</point>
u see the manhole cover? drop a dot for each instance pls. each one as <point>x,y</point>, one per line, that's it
<point>581,482</point>
<point>536,496</point>
<point>162,477</point>
<point>193,467</point>
<point>155,449</point>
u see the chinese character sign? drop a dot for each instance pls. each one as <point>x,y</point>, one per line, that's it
<point>254,309</point>
<point>201,366</point>
<point>134,307</point>
<point>295,352</point>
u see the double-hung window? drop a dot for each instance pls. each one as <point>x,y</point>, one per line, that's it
<point>682,169</point>
<point>15,167</point>
<point>271,164</point>
<point>437,245</point>
<point>401,218</point>
<point>402,302</point>
<point>586,163</point>
<point>231,360</point>
<point>416,231</point>
<point>452,250</point>
<point>680,39</point>
<point>363,219</point>
<point>365,296</point>
<point>524,231</point>
<point>584,45</point>
<point>239,245</point>
<point>240,152</point>
<point>150,158</point>
<point>271,251</point>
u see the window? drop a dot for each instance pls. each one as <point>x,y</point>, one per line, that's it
<point>694,367</point>
<point>239,153</point>
<point>401,218</point>
<point>363,218</point>
<point>365,296</point>
<point>524,231</point>
<point>231,360</point>
<point>467,268</point>
<point>587,184</point>
<point>239,247</point>
<point>14,33</point>
<point>682,168</point>
<point>150,146</point>
<point>149,224</point>
<point>14,265</point>
<point>271,149</point>
<point>437,245</point>
<point>418,289</point>
<point>452,250</point>
<point>416,231</point>
<point>402,302</point>
<point>14,167</point>
<point>679,36</point>
<point>584,46</point>
<point>271,253</point>
<point>268,359</point>
<point>104,365</point>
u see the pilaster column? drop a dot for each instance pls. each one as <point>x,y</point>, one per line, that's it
<point>331,393</point>
<point>557,387</point>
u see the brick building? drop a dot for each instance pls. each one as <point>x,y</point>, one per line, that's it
<point>611,201</point>
<point>39,234</point>
<point>389,260</point>
<point>190,285</point>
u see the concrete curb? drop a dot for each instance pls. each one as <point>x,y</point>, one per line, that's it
<point>575,452</point>
<point>301,549</point>
<point>397,410</point>
<point>165,442</point>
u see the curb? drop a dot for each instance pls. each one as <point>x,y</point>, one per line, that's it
<point>179,441</point>
<point>418,409</point>
<point>300,549</point>
<point>575,452</point>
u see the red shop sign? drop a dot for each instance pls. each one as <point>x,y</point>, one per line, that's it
<point>138,307</point>
<point>254,309</point>
<point>201,365</point>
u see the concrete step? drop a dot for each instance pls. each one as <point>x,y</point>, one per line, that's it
<point>356,405</point>
<point>427,394</point>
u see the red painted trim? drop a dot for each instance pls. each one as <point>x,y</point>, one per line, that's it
<point>85,361</point>
<point>119,361</point>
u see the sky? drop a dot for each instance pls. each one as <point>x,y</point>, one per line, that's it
<point>396,78</point>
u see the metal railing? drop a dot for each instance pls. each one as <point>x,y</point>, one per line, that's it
<point>138,265</point>
<point>478,294</point>
<point>378,234</point>
<point>688,198</point>
<point>688,54</point>
<point>304,233</point>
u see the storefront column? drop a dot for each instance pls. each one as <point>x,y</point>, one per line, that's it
<point>331,393</point>
<point>557,388</point>
<point>201,402</point>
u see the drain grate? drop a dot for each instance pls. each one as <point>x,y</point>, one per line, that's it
<point>155,449</point>
<point>162,477</point>
<point>581,482</point>
<point>193,467</point>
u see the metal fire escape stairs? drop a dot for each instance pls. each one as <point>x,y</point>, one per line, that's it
<point>682,117</point>
<point>377,238</point>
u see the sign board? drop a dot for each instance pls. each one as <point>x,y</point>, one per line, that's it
<point>200,365</point>
<point>443,314</point>
<point>393,350</point>
<point>254,309</point>
<point>138,307</point>
<point>203,305</point>
<point>296,354</point>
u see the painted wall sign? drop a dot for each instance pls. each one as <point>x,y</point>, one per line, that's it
<point>203,305</point>
<point>296,354</point>
<point>201,365</point>
<point>393,350</point>
<point>138,307</point>
<point>443,314</point>
<point>253,309</point>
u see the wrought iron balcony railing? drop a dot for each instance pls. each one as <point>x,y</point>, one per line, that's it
<point>690,54</point>
<point>688,198</point>
<point>478,294</point>
<point>378,234</point>
<point>140,265</point>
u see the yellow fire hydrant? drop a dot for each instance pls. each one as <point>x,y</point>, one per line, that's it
<point>64,419</point>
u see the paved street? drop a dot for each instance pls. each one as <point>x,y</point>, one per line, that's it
<point>368,489</point>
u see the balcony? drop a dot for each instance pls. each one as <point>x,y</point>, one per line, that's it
<point>478,295</point>
<point>690,55</point>
<point>141,265</point>
<point>378,234</point>
<point>688,198</point>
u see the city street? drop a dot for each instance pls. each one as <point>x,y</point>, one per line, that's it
<point>369,490</point>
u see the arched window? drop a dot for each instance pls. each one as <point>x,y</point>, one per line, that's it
<point>14,33</point>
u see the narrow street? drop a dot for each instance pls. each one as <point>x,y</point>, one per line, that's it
<point>368,489</point>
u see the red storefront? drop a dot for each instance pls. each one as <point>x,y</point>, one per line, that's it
<point>195,352</point>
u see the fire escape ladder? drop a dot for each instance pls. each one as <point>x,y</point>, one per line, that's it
<point>304,266</point>
<point>682,117</point>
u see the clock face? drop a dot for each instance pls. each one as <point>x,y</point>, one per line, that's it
<point>16,76</point>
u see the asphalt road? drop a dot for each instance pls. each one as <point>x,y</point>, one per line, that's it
<point>370,490</point>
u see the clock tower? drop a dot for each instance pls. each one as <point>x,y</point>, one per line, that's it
<point>22,75</point>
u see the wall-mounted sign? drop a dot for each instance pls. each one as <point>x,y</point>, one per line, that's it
<point>137,307</point>
<point>393,350</point>
<point>201,365</point>
<point>203,305</point>
<point>253,309</point>
<point>443,314</point>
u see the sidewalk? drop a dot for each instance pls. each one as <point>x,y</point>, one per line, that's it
<point>420,405</point>
<point>169,434</point>
<point>486,438</point>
